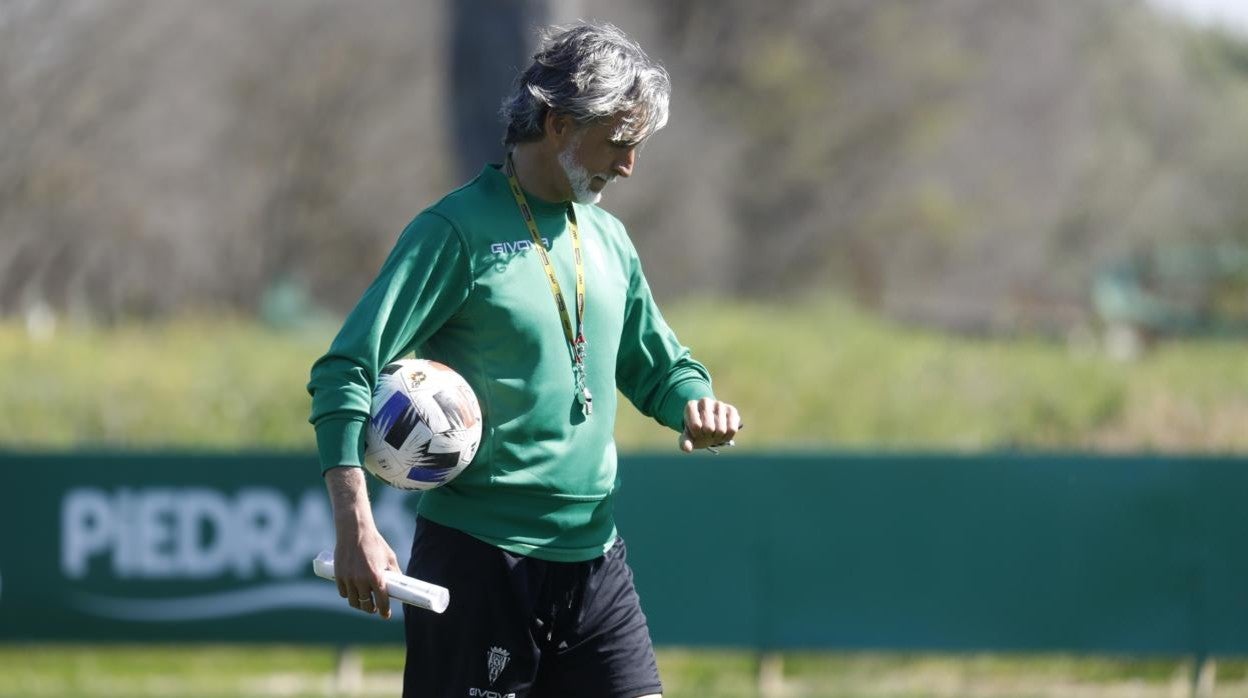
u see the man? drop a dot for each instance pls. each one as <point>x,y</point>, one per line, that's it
<point>542,600</point>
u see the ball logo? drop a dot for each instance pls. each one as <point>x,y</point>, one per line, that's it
<point>415,379</point>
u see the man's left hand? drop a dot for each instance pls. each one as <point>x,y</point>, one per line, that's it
<point>709,423</point>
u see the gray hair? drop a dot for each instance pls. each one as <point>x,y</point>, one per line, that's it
<point>590,72</point>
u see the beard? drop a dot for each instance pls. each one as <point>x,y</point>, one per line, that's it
<point>579,177</point>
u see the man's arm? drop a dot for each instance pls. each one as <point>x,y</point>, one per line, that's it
<point>361,555</point>
<point>423,282</point>
<point>659,376</point>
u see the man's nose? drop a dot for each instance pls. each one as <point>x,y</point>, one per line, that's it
<point>623,165</point>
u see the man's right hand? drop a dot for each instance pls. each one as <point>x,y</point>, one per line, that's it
<point>361,555</point>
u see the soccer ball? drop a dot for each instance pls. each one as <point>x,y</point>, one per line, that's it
<point>425,426</point>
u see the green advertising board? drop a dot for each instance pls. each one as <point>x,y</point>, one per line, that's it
<point>913,552</point>
<point>176,547</point>
<point>993,552</point>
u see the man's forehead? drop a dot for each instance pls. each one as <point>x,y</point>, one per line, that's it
<point>622,127</point>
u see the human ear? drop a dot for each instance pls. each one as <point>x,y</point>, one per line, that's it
<point>559,125</point>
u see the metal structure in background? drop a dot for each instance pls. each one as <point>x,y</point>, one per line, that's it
<point>991,552</point>
<point>1184,290</point>
<point>490,42</point>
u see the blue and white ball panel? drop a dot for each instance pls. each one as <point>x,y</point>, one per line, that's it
<point>396,419</point>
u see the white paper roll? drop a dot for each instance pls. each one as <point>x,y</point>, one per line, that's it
<point>409,590</point>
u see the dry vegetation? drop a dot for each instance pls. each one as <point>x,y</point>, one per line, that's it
<point>966,163</point>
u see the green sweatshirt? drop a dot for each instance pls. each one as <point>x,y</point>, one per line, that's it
<point>463,287</point>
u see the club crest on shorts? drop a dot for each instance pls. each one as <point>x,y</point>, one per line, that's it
<point>497,661</point>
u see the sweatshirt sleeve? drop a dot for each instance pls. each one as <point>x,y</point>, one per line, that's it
<point>421,285</point>
<point>653,370</point>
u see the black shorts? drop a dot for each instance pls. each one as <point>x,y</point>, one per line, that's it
<point>519,627</point>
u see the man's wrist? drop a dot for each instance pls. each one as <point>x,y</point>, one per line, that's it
<point>348,497</point>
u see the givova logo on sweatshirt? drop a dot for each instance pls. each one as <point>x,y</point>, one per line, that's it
<point>505,248</point>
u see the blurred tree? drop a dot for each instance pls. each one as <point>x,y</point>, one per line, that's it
<point>964,162</point>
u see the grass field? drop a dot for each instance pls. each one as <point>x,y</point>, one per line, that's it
<point>261,672</point>
<point>813,375</point>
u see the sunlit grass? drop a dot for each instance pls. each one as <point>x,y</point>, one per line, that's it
<point>807,375</point>
<point>821,374</point>
<point>211,383</point>
<point>241,671</point>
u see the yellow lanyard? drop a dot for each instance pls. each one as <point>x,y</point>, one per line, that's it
<point>575,340</point>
